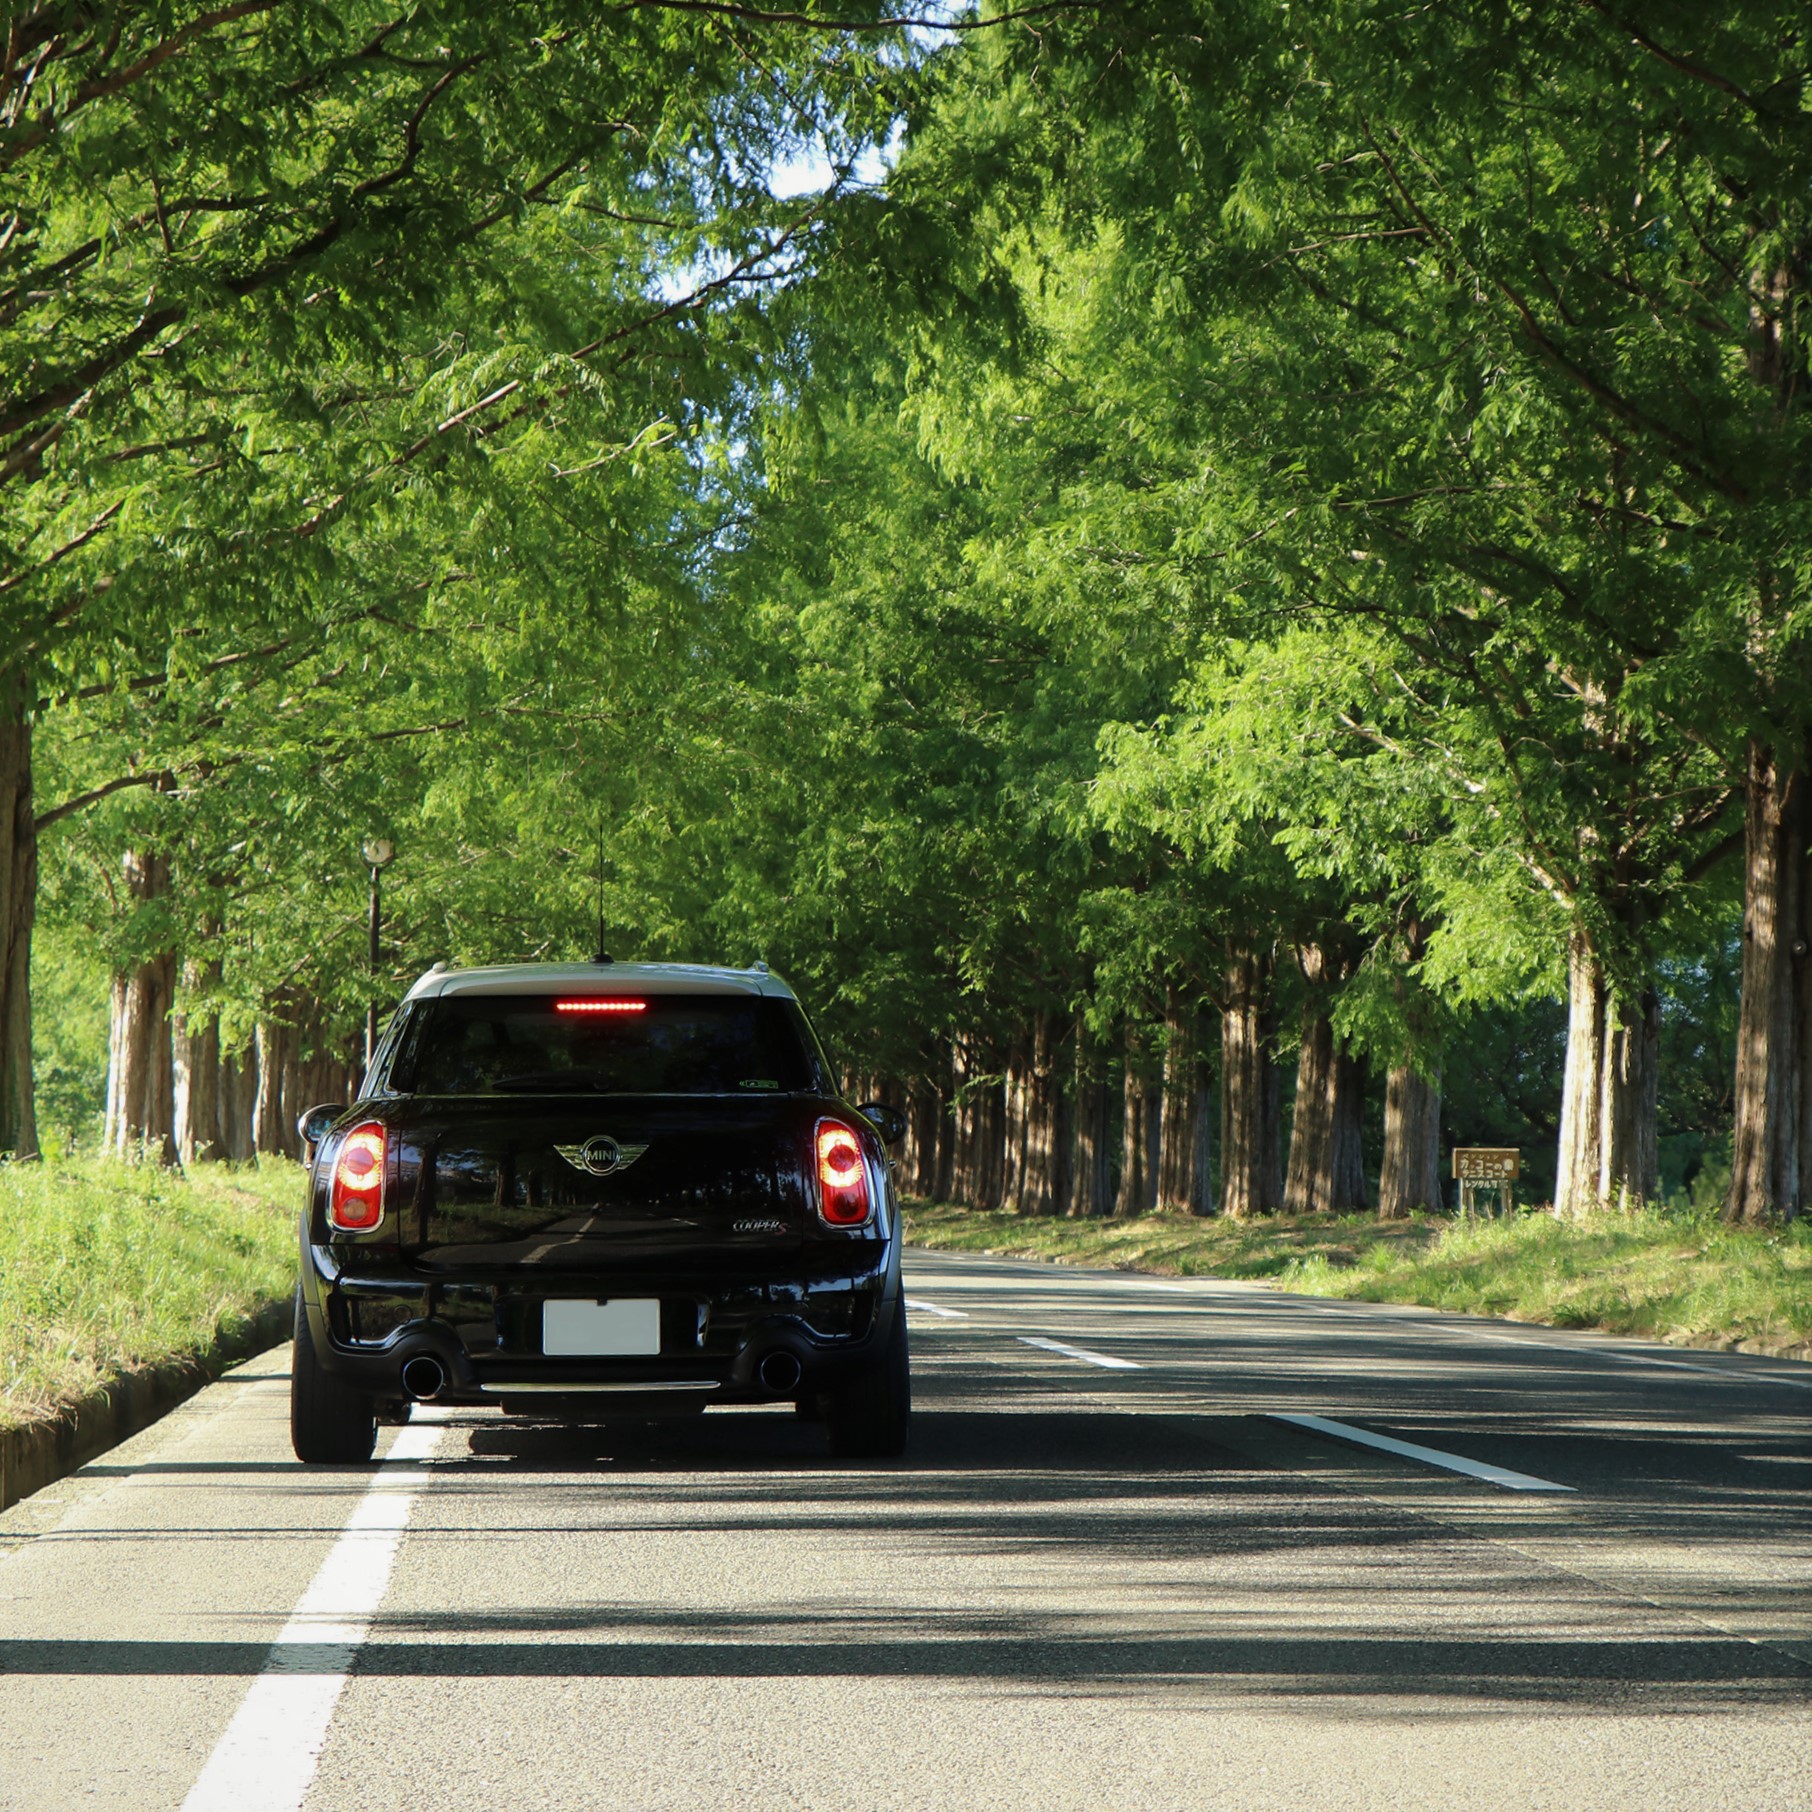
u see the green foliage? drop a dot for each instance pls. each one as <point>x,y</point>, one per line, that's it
<point>106,1267</point>
<point>1243,478</point>
<point>70,986</point>
<point>1659,1274</point>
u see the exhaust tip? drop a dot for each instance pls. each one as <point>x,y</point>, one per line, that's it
<point>779,1372</point>
<point>424,1378</point>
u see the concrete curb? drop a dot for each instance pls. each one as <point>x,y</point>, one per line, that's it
<point>40,1453</point>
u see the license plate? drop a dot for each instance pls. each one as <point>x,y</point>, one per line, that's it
<point>623,1326</point>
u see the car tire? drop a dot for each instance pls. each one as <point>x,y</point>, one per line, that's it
<point>330,1423</point>
<point>867,1419</point>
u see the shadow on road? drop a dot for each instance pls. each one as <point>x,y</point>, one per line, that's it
<point>1131,1546</point>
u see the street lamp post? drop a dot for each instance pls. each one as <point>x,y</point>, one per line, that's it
<point>377,852</point>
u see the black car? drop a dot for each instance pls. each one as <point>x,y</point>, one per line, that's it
<point>599,1190</point>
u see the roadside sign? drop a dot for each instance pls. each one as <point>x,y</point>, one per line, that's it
<point>1487,1163</point>
<point>1486,1173</point>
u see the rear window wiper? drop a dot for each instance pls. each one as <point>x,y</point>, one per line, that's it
<point>552,1082</point>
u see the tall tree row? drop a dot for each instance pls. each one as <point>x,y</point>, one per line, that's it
<point>273,277</point>
<point>1247,550</point>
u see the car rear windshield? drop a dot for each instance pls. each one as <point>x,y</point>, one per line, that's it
<point>661,1044</point>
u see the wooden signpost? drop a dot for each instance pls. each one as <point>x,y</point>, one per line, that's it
<point>1486,1172</point>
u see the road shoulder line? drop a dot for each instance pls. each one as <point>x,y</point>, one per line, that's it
<point>265,1760</point>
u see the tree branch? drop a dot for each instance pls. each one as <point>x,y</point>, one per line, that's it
<point>1686,66</point>
<point>732,9</point>
<point>100,89</point>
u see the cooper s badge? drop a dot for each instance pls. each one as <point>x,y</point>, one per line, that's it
<point>601,1156</point>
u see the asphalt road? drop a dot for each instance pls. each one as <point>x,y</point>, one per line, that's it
<point>1105,1577</point>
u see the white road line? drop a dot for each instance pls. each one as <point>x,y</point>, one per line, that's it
<point>931,1308</point>
<point>1729,1373</point>
<point>1437,1324</point>
<point>266,1759</point>
<point>1082,1353</point>
<point>1408,1316</point>
<point>1429,1456</point>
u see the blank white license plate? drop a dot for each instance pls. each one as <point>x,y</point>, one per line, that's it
<point>627,1324</point>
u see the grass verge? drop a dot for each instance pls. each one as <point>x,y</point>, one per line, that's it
<point>1680,1277</point>
<point>106,1267</point>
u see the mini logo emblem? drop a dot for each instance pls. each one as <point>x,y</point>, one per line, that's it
<point>602,1156</point>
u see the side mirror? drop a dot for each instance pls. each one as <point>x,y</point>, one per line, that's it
<point>889,1122</point>
<point>312,1127</point>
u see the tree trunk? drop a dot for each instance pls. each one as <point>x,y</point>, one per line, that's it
<point>962,1128</point>
<point>927,1120</point>
<point>1608,1145</point>
<point>293,1098</point>
<point>943,1163</point>
<point>196,1037</point>
<point>1770,1156</point>
<point>1251,1182</point>
<point>1629,1152</point>
<point>980,1131</point>
<point>1134,1193</point>
<point>229,1103</point>
<point>1327,1159</point>
<point>1350,1074</point>
<point>1090,1169</point>
<point>1016,1092</point>
<point>1040,1178</point>
<point>1270,1080</point>
<point>1309,1185</point>
<point>238,1103</point>
<point>1176,1142</point>
<point>268,1129</point>
<point>1201,1157</point>
<point>1410,1176</point>
<point>991,1144</point>
<point>1154,1140</point>
<point>141,1086</point>
<point>18,907</point>
<point>918,1163</point>
<point>1578,1170</point>
<point>116,1020</point>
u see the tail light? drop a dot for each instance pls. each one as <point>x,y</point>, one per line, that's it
<point>842,1175</point>
<point>356,1203</point>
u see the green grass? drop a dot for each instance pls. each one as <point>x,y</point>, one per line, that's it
<point>105,1267</point>
<point>1663,1274</point>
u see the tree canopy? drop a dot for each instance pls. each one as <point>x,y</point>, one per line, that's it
<point>1059,531</point>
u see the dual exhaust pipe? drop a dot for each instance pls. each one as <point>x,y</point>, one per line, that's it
<point>424,1377</point>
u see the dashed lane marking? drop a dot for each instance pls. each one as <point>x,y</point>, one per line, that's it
<point>1104,1360</point>
<point>1428,1456</point>
<point>931,1308</point>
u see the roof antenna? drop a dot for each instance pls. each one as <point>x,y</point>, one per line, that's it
<point>603,955</point>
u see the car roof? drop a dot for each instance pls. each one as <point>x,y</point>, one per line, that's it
<point>598,979</point>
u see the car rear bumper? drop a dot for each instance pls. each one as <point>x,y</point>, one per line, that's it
<point>723,1338</point>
